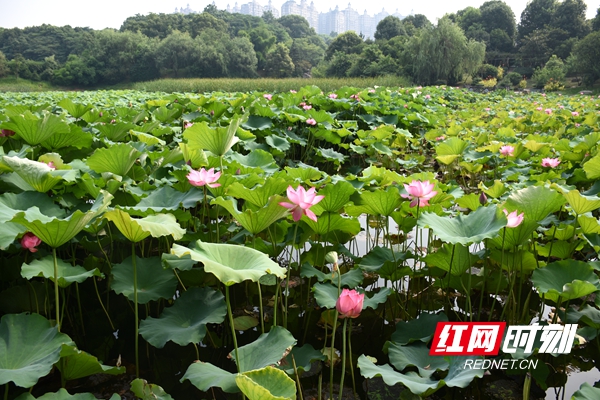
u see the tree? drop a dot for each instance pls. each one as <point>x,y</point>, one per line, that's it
<point>468,17</point>
<point>372,62</point>
<point>263,40</point>
<point>3,65</point>
<point>279,64</point>
<point>241,58</point>
<point>306,53</point>
<point>536,15</point>
<point>389,27</point>
<point>587,53</point>
<point>500,41</point>
<point>296,26</point>
<point>442,53</point>
<point>177,52</point>
<point>77,71</point>
<point>418,21</point>
<point>497,14</point>
<point>348,42</point>
<point>570,17</point>
<point>596,21</point>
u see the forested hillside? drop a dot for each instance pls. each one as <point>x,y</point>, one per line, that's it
<point>468,45</point>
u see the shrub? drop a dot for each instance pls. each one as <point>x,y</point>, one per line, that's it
<point>488,71</point>
<point>553,86</point>
<point>489,83</point>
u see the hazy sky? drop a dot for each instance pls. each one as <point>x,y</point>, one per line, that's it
<point>112,13</point>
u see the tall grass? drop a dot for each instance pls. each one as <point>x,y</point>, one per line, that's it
<point>12,84</point>
<point>265,84</point>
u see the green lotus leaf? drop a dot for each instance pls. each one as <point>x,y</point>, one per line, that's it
<point>259,194</point>
<point>581,203</point>
<point>567,279</point>
<point>77,364</point>
<point>255,221</point>
<point>304,173</point>
<point>148,391</point>
<point>147,139</point>
<point>331,155</point>
<point>470,201</point>
<point>115,132</point>
<point>278,143</point>
<point>256,159</point>
<point>303,357</point>
<point>75,109</point>
<point>450,149</point>
<point>218,140</point>
<point>337,195</point>
<point>58,231</point>
<point>62,394</point>
<point>420,329</point>
<point>253,356</point>
<point>29,347</point>
<point>350,279</point>
<point>37,175</point>
<point>592,167</point>
<point>76,137</point>
<point>244,322</point>
<point>185,322</point>
<point>495,191</point>
<point>35,130</point>
<point>461,261</point>
<point>137,229</point>
<point>329,222</point>
<point>67,273</point>
<point>458,376</point>
<point>167,198</point>
<point>165,115</point>
<point>184,263</point>
<point>416,355</point>
<point>268,383</point>
<point>586,392</point>
<point>230,263</point>
<point>536,202</point>
<point>378,202</point>
<point>483,223</point>
<point>153,281</point>
<point>9,232</point>
<point>11,204</point>
<point>588,224</point>
<point>257,123</point>
<point>117,159</point>
<point>204,375</point>
<point>587,315</point>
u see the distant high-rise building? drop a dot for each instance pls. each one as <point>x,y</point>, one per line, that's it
<point>334,20</point>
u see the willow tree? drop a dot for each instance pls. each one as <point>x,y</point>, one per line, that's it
<point>442,53</point>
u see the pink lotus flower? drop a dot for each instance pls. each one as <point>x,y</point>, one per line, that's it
<point>6,132</point>
<point>307,107</point>
<point>29,241</point>
<point>487,109</point>
<point>548,111</point>
<point>439,138</point>
<point>406,106</point>
<point>293,91</point>
<point>575,113</point>
<point>427,96</point>
<point>350,303</point>
<point>333,96</point>
<point>267,96</point>
<point>371,90</point>
<point>507,150</point>
<point>419,192</point>
<point>355,97</point>
<point>514,220</point>
<point>301,201</point>
<point>539,108</point>
<point>311,121</point>
<point>550,162</point>
<point>188,125</point>
<point>112,121</point>
<point>51,165</point>
<point>204,177</point>
<point>577,125</point>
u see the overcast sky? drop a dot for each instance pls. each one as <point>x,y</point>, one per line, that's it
<point>112,13</point>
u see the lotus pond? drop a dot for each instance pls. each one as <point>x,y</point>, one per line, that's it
<point>297,245</point>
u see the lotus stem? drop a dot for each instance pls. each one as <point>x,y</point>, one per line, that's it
<point>135,310</point>
<point>349,333</point>
<point>230,314</point>
<point>343,358</point>
<point>56,295</point>
<point>260,306</point>
<point>297,377</point>
<point>499,277</point>
<point>287,278</point>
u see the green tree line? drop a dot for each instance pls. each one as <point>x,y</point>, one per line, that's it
<point>215,43</point>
